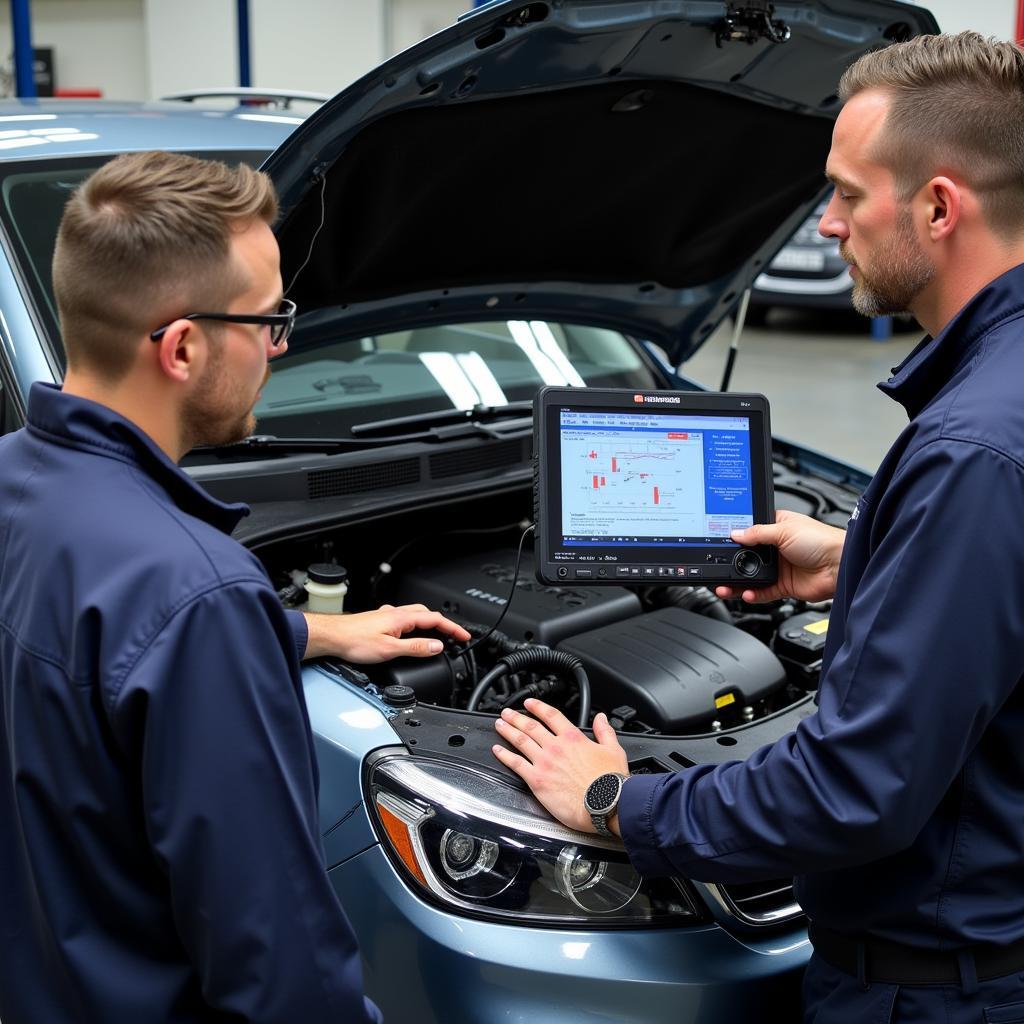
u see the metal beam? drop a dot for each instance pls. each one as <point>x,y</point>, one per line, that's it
<point>244,61</point>
<point>21,30</point>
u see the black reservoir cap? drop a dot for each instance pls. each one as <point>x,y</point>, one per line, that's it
<point>399,696</point>
<point>327,573</point>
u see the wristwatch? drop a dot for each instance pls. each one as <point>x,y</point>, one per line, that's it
<point>602,800</point>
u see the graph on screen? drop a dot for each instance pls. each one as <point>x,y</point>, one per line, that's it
<point>657,480</point>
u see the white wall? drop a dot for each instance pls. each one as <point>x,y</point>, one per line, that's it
<point>315,45</point>
<point>991,17</point>
<point>413,20</point>
<point>190,44</point>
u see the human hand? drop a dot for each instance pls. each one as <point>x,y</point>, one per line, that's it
<point>369,637</point>
<point>809,554</point>
<point>557,761</point>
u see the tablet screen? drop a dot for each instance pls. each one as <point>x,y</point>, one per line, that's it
<point>649,486</point>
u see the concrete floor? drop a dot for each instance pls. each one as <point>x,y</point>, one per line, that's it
<point>819,373</point>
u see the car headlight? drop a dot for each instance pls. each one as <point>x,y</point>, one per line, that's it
<point>477,844</point>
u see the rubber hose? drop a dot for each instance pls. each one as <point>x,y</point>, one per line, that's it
<point>699,600</point>
<point>485,684</point>
<point>535,658</point>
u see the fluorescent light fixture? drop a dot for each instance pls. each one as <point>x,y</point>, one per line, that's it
<point>445,369</point>
<point>480,376</point>
<point>547,370</point>
<point>21,143</point>
<point>272,118</point>
<point>15,138</point>
<point>550,347</point>
<point>575,950</point>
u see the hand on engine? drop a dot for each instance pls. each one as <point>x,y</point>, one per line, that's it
<point>370,637</point>
<point>557,761</point>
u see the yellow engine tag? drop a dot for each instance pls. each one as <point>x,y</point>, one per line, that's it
<point>818,627</point>
<point>725,700</point>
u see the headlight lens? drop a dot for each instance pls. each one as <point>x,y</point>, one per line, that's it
<point>477,844</point>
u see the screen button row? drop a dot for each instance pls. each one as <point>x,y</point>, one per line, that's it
<point>648,572</point>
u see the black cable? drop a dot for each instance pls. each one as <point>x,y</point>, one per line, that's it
<point>316,234</point>
<point>512,593</point>
<point>377,577</point>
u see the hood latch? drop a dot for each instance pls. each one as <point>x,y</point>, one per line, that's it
<point>749,22</point>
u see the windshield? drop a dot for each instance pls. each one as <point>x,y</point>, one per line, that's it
<point>325,390</point>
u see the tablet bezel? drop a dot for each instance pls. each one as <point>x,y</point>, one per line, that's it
<point>696,564</point>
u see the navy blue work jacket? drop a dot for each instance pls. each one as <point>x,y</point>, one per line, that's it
<point>900,802</point>
<point>160,858</point>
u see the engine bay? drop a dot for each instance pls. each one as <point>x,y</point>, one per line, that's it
<point>658,660</point>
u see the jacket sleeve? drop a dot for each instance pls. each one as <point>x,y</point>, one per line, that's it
<point>228,794</point>
<point>933,645</point>
<point>300,631</point>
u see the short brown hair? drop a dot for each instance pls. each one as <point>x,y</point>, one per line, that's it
<point>144,239</point>
<point>957,108</point>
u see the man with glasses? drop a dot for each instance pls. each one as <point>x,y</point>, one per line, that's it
<point>160,851</point>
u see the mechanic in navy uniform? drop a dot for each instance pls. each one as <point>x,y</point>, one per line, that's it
<point>899,803</point>
<point>160,853</point>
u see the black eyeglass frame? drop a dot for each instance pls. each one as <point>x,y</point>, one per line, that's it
<point>285,322</point>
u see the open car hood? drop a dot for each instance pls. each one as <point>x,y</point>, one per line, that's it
<point>623,164</point>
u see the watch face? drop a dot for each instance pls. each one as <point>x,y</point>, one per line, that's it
<point>603,791</point>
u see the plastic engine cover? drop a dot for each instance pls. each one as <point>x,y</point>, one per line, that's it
<point>673,665</point>
<point>475,589</point>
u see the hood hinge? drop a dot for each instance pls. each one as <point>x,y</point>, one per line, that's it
<point>746,23</point>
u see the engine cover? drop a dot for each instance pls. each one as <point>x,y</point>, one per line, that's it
<point>677,668</point>
<point>476,588</point>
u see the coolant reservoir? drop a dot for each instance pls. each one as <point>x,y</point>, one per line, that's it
<point>326,585</point>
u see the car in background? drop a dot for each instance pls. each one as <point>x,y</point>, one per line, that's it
<point>540,194</point>
<point>806,273</point>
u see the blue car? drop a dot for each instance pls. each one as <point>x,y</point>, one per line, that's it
<point>570,193</point>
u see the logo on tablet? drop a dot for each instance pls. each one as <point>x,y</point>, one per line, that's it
<point>658,399</point>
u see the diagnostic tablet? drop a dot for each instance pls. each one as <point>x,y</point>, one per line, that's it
<point>645,487</point>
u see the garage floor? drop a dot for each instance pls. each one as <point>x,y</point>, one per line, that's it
<point>819,373</point>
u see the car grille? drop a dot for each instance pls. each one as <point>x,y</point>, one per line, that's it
<point>758,903</point>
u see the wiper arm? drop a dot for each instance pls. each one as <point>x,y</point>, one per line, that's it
<point>477,417</point>
<point>449,423</point>
<point>288,445</point>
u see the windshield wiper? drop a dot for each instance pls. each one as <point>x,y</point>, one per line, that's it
<point>440,426</point>
<point>477,419</point>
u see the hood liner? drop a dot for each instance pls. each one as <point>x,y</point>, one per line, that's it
<point>679,189</point>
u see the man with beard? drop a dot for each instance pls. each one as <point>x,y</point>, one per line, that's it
<point>160,849</point>
<point>897,804</point>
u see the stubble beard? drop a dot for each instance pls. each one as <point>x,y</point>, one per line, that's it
<point>900,271</point>
<point>211,415</point>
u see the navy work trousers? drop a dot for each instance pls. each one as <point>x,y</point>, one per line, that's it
<point>832,996</point>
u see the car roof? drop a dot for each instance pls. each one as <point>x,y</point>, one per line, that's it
<point>40,129</point>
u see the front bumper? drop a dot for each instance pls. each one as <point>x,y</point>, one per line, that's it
<point>425,965</point>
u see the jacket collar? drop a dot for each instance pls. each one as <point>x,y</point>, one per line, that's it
<point>88,426</point>
<point>923,374</point>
